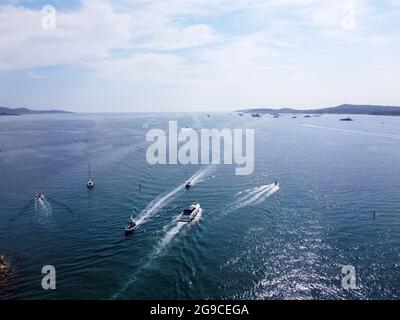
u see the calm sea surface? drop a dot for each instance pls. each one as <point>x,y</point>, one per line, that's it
<point>252,241</point>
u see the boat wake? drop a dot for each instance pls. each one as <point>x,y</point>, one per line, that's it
<point>154,206</point>
<point>174,228</point>
<point>203,174</point>
<point>255,196</point>
<point>43,211</point>
<point>157,204</point>
<point>380,135</point>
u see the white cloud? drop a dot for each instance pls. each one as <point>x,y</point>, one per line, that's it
<point>80,36</point>
<point>187,52</point>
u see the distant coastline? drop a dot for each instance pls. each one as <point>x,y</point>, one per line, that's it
<point>342,109</point>
<point>21,111</point>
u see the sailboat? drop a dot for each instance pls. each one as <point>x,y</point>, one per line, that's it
<point>90,183</point>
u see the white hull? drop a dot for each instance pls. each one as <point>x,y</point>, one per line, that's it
<point>190,213</point>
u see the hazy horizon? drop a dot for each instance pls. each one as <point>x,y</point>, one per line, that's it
<point>199,56</point>
<point>191,111</point>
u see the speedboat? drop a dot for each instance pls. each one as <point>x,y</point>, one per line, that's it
<point>188,185</point>
<point>347,119</point>
<point>131,227</point>
<point>39,195</point>
<point>190,213</point>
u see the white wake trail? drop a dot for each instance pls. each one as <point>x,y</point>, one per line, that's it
<point>267,194</point>
<point>249,192</point>
<point>175,227</point>
<point>202,174</point>
<point>157,204</point>
<point>173,231</point>
<point>154,206</point>
<point>380,135</point>
<point>248,200</point>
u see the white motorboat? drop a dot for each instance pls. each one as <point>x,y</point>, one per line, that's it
<point>190,213</point>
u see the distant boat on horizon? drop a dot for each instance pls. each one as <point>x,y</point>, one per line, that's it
<point>347,119</point>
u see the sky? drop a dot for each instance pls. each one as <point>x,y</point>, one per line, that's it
<point>198,55</point>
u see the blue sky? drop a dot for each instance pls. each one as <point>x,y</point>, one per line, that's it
<point>199,55</point>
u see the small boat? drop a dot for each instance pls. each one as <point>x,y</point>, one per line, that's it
<point>307,116</point>
<point>240,114</point>
<point>256,115</point>
<point>90,183</point>
<point>131,227</point>
<point>294,117</point>
<point>190,213</point>
<point>276,183</point>
<point>188,185</point>
<point>39,195</point>
<point>347,119</point>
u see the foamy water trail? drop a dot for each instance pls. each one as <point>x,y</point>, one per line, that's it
<point>174,228</point>
<point>253,196</point>
<point>248,200</point>
<point>152,208</point>
<point>267,194</point>
<point>249,192</point>
<point>380,135</point>
<point>173,231</point>
<point>155,205</point>
<point>202,174</point>
<point>43,211</point>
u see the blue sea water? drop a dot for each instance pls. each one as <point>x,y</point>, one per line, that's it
<point>252,241</point>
